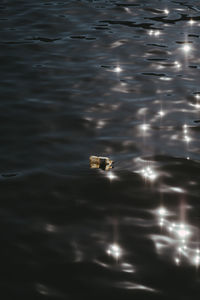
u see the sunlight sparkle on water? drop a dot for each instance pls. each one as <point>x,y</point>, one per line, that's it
<point>154,32</point>
<point>191,22</point>
<point>117,69</point>
<point>127,10</point>
<point>180,230</point>
<point>186,48</point>
<point>144,127</point>
<point>161,223</point>
<point>197,260</point>
<point>197,105</point>
<point>186,137</point>
<point>182,233</point>
<point>110,175</point>
<point>161,113</point>
<point>157,33</point>
<point>149,173</point>
<point>177,65</point>
<point>170,228</point>
<point>162,211</point>
<point>115,251</point>
<point>181,237</point>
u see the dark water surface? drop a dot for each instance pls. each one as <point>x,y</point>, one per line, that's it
<point>113,78</point>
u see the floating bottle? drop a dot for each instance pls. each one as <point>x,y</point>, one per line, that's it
<point>99,162</point>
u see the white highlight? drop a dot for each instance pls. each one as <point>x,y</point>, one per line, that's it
<point>182,233</point>
<point>149,173</point>
<point>186,138</point>
<point>161,223</point>
<point>191,22</point>
<point>157,33</point>
<point>111,175</point>
<point>197,260</point>
<point>186,48</point>
<point>117,69</point>
<point>154,32</point>
<point>115,251</point>
<point>162,211</point>
<point>177,260</point>
<point>144,127</point>
<point>177,64</point>
<point>176,189</point>
<point>170,229</point>
<point>161,113</point>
